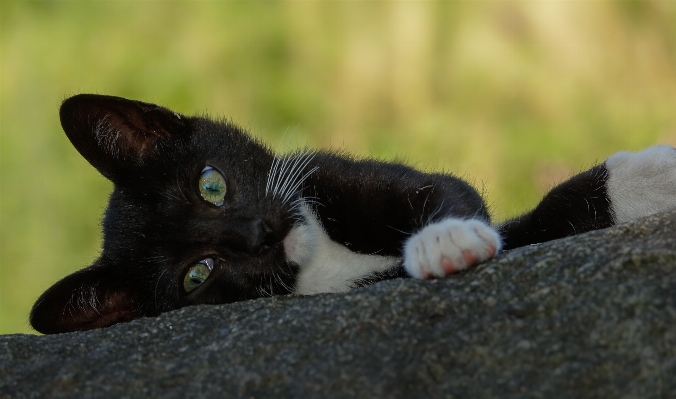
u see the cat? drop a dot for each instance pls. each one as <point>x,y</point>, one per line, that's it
<point>204,213</point>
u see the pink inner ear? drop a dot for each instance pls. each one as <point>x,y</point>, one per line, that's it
<point>115,308</point>
<point>90,298</point>
<point>128,130</point>
<point>125,141</point>
<point>115,134</point>
<point>51,317</point>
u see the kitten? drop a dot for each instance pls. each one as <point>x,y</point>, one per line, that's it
<point>201,212</point>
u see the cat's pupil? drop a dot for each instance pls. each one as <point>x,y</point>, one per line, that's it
<point>212,186</point>
<point>197,274</point>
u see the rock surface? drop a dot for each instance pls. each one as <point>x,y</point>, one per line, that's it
<point>584,317</point>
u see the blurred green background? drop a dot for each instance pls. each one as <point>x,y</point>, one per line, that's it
<point>513,96</point>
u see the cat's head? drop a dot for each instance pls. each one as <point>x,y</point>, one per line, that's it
<point>198,214</point>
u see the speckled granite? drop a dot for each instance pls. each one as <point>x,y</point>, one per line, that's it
<point>585,317</point>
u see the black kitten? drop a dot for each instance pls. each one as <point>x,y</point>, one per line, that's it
<point>203,213</point>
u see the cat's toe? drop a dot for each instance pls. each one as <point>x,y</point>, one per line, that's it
<point>449,246</point>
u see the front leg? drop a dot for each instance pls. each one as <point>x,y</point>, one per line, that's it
<point>435,223</point>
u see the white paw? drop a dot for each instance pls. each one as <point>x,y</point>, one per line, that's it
<point>642,183</point>
<point>449,246</point>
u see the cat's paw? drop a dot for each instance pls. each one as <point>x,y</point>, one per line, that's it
<point>450,246</point>
<point>642,183</point>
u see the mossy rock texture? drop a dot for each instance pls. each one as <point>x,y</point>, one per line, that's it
<point>590,316</point>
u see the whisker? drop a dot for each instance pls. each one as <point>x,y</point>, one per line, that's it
<point>280,175</point>
<point>290,172</point>
<point>302,161</point>
<point>300,182</point>
<point>275,163</point>
<point>396,229</point>
<point>157,284</point>
<point>180,190</point>
<point>281,282</point>
<point>436,212</point>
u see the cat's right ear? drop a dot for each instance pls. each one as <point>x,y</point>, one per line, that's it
<point>117,135</point>
<point>90,298</point>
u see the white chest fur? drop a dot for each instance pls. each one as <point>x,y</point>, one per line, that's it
<point>325,265</point>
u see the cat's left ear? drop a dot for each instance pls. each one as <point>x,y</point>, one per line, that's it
<point>117,135</point>
<point>93,297</point>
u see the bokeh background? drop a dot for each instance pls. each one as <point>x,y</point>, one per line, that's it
<point>512,95</point>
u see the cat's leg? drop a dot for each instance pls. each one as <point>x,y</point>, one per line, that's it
<point>434,224</point>
<point>641,184</point>
<point>625,187</point>
<point>449,246</point>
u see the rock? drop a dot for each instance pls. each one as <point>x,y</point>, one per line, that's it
<point>591,316</point>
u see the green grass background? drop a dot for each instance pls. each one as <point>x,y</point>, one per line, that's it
<point>513,96</point>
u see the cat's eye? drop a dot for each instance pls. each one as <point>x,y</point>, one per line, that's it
<point>197,274</point>
<point>212,186</point>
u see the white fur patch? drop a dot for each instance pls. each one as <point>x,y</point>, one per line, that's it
<point>449,246</point>
<point>325,265</point>
<point>642,183</point>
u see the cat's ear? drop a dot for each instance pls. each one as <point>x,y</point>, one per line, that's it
<point>117,135</point>
<point>90,298</point>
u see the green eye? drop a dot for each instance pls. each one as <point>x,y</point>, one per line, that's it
<point>197,274</point>
<point>212,186</point>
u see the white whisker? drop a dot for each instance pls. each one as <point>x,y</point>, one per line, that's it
<point>157,284</point>
<point>276,162</point>
<point>280,175</point>
<point>288,173</point>
<point>300,182</point>
<point>297,168</point>
<point>281,282</point>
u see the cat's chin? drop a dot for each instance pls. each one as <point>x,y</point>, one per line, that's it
<point>299,244</point>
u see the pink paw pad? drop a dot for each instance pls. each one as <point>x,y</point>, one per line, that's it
<point>450,246</point>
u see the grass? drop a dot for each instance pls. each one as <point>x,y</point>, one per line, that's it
<point>513,96</point>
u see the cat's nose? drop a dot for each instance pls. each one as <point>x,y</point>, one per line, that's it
<point>263,236</point>
<point>254,235</point>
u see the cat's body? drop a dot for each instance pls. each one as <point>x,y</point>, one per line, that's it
<point>203,213</point>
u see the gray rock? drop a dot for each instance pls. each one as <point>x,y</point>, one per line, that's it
<point>589,316</point>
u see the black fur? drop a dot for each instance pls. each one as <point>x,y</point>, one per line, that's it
<point>580,204</point>
<point>156,225</point>
<point>372,206</point>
